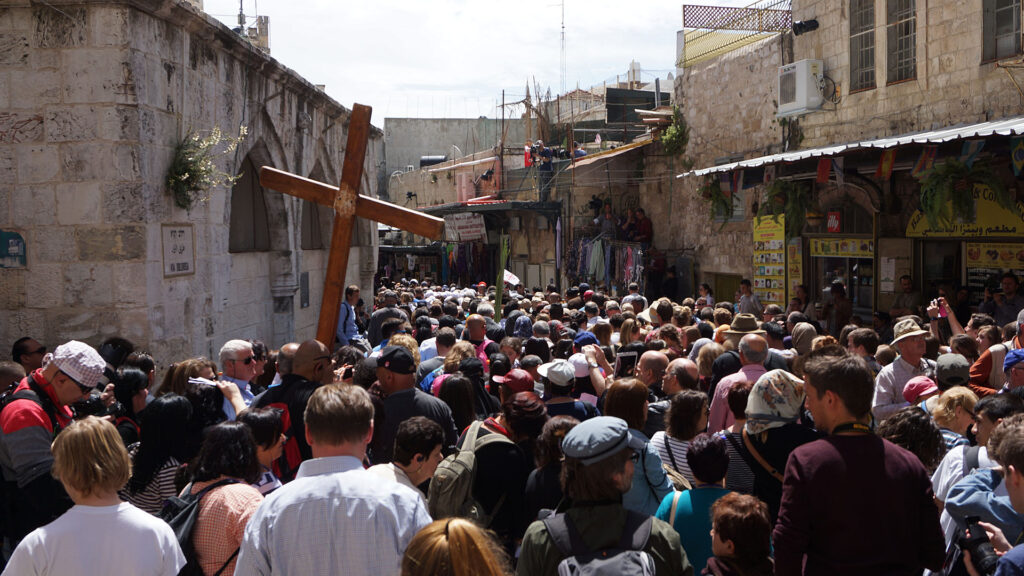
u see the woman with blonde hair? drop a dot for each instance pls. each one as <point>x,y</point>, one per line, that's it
<point>100,534</point>
<point>629,332</point>
<point>706,357</point>
<point>954,415</point>
<point>455,356</point>
<point>454,547</point>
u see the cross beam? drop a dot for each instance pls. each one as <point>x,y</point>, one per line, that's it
<point>347,204</point>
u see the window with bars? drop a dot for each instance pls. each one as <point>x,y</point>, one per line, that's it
<point>901,36</point>
<point>739,209</point>
<point>1000,29</point>
<point>250,231</point>
<point>862,45</point>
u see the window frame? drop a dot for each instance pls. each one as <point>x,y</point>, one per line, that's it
<point>898,17</point>
<point>990,12</point>
<point>248,203</point>
<point>865,35</point>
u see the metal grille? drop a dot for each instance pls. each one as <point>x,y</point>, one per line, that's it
<point>714,30</point>
<point>862,44</point>
<point>901,58</point>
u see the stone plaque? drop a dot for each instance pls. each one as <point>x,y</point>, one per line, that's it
<point>179,248</point>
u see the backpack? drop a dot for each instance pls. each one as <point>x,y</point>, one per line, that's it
<point>451,489</point>
<point>287,465</point>
<point>628,558</point>
<point>181,512</point>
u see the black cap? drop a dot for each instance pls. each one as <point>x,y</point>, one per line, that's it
<point>397,359</point>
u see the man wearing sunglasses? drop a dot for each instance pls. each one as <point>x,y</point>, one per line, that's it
<point>239,365</point>
<point>29,353</point>
<point>30,418</point>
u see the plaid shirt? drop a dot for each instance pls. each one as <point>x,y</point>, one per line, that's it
<point>223,514</point>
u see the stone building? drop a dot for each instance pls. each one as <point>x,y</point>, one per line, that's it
<point>904,84</point>
<point>95,95</point>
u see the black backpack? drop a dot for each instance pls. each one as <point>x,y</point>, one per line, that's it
<point>627,558</point>
<point>181,512</point>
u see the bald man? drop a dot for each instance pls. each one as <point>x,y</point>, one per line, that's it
<point>651,370</point>
<point>311,367</point>
<point>476,333</point>
<point>681,374</point>
<point>753,350</point>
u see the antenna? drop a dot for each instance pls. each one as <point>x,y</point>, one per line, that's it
<point>563,47</point>
<point>241,18</point>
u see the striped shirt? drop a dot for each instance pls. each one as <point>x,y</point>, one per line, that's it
<point>160,488</point>
<point>952,439</point>
<point>739,478</point>
<point>224,513</point>
<point>677,459</point>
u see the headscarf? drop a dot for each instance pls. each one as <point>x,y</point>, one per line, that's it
<point>523,328</point>
<point>695,351</point>
<point>803,335</point>
<point>774,401</point>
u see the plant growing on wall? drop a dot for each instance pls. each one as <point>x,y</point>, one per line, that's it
<point>720,204</point>
<point>791,199</point>
<point>947,190</point>
<point>675,138</point>
<point>193,171</point>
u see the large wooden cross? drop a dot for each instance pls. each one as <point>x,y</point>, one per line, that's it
<point>347,204</point>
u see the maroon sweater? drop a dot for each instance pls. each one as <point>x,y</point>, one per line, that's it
<point>856,505</point>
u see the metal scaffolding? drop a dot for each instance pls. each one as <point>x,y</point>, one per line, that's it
<point>714,30</point>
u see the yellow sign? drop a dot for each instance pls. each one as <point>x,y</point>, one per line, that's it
<point>995,255</point>
<point>795,269</point>
<point>843,247</point>
<point>992,220</point>
<point>769,276</point>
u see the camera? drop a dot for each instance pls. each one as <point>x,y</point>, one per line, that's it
<point>983,556</point>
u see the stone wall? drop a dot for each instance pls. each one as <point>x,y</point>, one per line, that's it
<point>96,94</point>
<point>952,85</point>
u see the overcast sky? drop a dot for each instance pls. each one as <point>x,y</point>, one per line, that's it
<point>453,58</point>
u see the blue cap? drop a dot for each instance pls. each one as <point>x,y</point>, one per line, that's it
<point>598,438</point>
<point>584,338</point>
<point>1012,358</point>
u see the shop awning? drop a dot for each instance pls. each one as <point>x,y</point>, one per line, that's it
<point>1005,127</point>
<point>591,159</point>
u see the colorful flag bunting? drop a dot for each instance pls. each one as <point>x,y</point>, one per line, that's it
<point>837,167</point>
<point>769,174</point>
<point>885,163</point>
<point>970,151</point>
<point>824,166</point>
<point>1017,154</point>
<point>925,161</point>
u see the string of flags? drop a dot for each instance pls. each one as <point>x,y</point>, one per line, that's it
<point>742,179</point>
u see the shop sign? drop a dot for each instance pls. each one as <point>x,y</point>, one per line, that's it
<point>465,227</point>
<point>842,247</point>
<point>995,255</point>
<point>769,278</point>
<point>834,223</point>
<point>992,220</point>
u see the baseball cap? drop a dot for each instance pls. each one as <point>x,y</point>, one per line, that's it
<point>517,380</point>
<point>918,386</point>
<point>559,372</point>
<point>481,283</point>
<point>79,361</point>
<point>952,370</point>
<point>580,364</point>
<point>598,438</point>
<point>396,359</point>
<point>584,338</point>
<point>1013,357</point>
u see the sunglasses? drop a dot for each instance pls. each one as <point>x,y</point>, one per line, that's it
<point>248,360</point>
<point>635,457</point>
<point>84,389</point>
<point>40,350</point>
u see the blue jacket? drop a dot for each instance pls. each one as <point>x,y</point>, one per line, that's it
<point>650,483</point>
<point>975,496</point>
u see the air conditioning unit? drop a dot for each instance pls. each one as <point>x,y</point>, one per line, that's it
<point>798,88</point>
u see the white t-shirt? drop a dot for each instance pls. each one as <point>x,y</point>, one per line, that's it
<point>117,539</point>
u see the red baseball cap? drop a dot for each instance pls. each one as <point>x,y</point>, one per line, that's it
<point>482,283</point>
<point>517,380</point>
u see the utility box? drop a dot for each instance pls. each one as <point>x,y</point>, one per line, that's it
<point>800,88</point>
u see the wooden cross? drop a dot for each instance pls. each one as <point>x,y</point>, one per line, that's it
<point>347,204</point>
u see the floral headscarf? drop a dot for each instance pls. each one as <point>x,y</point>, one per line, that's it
<point>774,401</point>
<point>523,328</point>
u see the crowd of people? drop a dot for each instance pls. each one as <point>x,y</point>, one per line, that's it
<point>465,430</point>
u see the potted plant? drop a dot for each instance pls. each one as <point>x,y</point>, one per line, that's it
<point>947,191</point>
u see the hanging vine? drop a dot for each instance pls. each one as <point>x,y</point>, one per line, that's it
<point>193,170</point>
<point>720,204</point>
<point>790,199</point>
<point>947,191</point>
